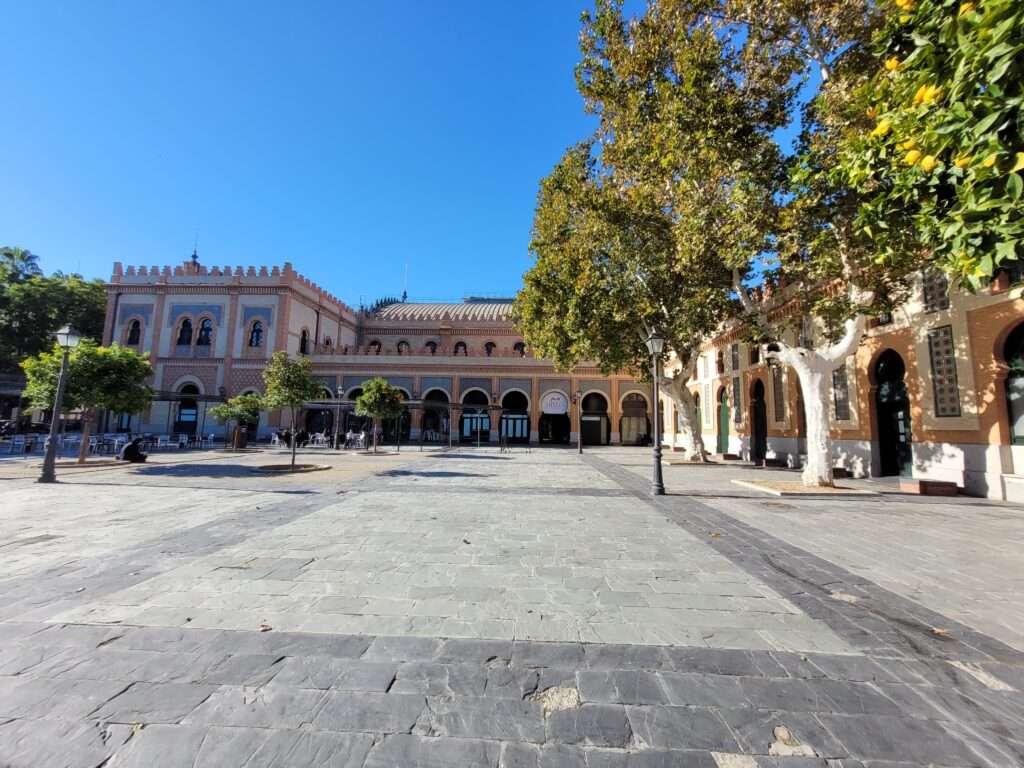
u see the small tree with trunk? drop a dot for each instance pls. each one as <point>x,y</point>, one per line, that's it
<point>379,400</point>
<point>289,385</point>
<point>243,411</point>
<point>98,378</point>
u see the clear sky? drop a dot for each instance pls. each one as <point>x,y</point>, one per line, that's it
<point>348,138</point>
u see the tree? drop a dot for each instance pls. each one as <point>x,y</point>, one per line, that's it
<point>243,410</point>
<point>33,306</point>
<point>289,384</point>
<point>638,228</point>
<point>938,153</point>
<point>379,401</point>
<point>98,378</point>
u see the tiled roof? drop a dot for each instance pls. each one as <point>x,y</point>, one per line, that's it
<point>493,311</point>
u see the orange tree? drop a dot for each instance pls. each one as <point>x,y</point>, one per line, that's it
<point>942,154</point>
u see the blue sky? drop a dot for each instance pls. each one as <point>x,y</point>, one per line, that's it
<point>348,138</point>
<point>351,139</point>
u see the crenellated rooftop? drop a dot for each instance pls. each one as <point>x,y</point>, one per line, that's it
<point>191,272</point>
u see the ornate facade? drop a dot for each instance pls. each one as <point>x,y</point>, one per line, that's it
<point>936,391</point>
<point>209,331</point>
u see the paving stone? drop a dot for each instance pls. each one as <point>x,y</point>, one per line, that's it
<point>703,690</point>
<point>369,712</point>
<point>535,654</point>
<point>600,725</point>
<point>622,687</point>
<point>57,742</point>
<point>26,697</point>
<point>402,649</point>
<point>154,703</point>
<point>433,679</point>
<point>754,730</point>
<point>519,756</point>
<point>433,752</point>
<point>266,707</point>
<point>681,728</point>
<point>483,718</point>
<point>323,672</point>
<point>894,738</point>
<point>161,746</point>
<point>263,748</point>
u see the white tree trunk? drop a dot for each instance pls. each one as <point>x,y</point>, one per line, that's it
<point>814,371</point>
<point>682,398</point>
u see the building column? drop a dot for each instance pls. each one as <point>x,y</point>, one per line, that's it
<point>495,420</point>
<point>614,412</point>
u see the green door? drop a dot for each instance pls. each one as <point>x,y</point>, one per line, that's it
<point>723,423</point>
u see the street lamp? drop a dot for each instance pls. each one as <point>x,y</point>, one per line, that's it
<point>656,345</point>
<point>339,393</point>
<point>579,427</point>
<point>67,338</point>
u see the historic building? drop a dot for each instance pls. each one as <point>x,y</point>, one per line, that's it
<point>464,369</point>
<point>935,391</point>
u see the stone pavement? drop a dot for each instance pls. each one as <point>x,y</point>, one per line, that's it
<point>478,609</point>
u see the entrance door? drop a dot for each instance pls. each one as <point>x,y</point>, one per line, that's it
<point>759,422</point>
<point>723,421</point>
<point>892,407</point>
<point>594,420</point>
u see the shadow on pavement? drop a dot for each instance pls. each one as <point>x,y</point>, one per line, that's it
<point>440,473</point>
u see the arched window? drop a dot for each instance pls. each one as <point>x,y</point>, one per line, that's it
<point>519,348</point>
<point>489,348</point>
<point>403,348</point>
<point>373,348</point>
<point>327,342</point>
<point>304,342</point>
<point>185,333</point>
<point>205,334</point>
<point>256,334</point>
<point>134,333</point>
<point>460,349</point>
<point>1013,353</point>
<point>432,347</point>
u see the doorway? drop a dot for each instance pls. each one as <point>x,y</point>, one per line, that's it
<point>634,426</point>
<point>554,425</point>
<point>515,418</point>
<point>759,425</point>
<point>892,409</point>
<point>475,424</point>
<point>594,426</point>
<point>723,421</point>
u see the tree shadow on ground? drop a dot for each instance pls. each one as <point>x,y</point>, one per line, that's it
<point>474,456</point>
<point>194,470</point>
<point>421,473</point>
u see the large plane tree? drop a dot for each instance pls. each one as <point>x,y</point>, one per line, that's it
<point>638,228</point>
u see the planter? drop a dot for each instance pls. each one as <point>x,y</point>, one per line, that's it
<point>284,469</point>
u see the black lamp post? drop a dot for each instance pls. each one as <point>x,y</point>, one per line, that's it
<point>656,345</point>
<point>67,338</point>
<point>579,427</point>
<point>337,415</point>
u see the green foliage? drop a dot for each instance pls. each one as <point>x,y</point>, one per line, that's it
<point>641,226</point>
<point>111,378</point>
<point>33,306</point>
<point>242,409</point>
<point>379,400</point>
<point>289,383</point>
<point>940,152</point>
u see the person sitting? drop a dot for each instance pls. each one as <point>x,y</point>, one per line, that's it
<point>132,452</point>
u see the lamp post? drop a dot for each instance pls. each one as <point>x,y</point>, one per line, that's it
<point>579,416</point>
<point>67,338</point>
<point>339,393</point>
<point>656,345</point>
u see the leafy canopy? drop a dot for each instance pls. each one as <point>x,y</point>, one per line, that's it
<point>289,383</point>
<point>110,378</point>
<point>242,409</point>
<point>380,400</point>
<point>639,227</point>
<point>33,306</point>
<point>942,153</point>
